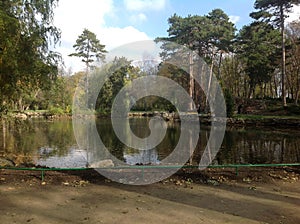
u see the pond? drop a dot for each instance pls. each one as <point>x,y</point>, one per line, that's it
<point>53,144</point>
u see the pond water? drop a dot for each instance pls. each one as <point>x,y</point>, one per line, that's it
<point>53,144</point>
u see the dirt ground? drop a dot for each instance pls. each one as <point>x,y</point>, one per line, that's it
<point>210,196</point>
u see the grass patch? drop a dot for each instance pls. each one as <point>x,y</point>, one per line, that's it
<point>262,117</point>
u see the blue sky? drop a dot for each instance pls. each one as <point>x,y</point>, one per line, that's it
<point>117,22</point>
<point>154,22</point>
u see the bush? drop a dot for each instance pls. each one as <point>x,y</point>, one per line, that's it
<point>56,111</point>
<point>229,103</point>
<point>68,109</point>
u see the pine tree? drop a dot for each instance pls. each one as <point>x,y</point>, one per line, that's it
<point>88,48</point>
<point>275,11</point>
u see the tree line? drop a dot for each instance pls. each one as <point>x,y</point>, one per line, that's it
<point>261,60</point>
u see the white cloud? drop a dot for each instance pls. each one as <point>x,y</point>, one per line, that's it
<point>234,19</point>
<point>138,18</point>
<point>115,36</point>
<point>73,16</point>
<point>137,51</point>
<point>112,37</point>
<point>142,5</point>
<point>295,14</point>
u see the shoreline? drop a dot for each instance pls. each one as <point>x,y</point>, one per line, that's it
<point>242,120</point>
<point>266,174</point>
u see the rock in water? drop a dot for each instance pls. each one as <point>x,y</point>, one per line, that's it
<point>6,163</point>
<point>102,164</point>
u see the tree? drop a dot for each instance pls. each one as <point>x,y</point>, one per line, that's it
<point>88,48</point>
<point>229,103</point>
<point>275,11</point>
<point>258,48</point>
<point>181,31</point>
<point>115,75</point>
<point>234,78</point>
<point>293,60</point>
<point>209,36</point>
<point>26,63</point>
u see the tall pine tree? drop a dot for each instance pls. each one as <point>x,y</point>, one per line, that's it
<point>88,48</point>
<point>275,12</point>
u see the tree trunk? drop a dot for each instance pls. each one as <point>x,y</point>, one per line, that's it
<point>219,65</point>
<point>191,80</point>
<point>283,57</point>
<point>87,85</point>
<point>297,87</point>
<point>251,90</point>
<point>275,88</point>
<point>20,104</point>
<point>4,134</point>
<point>210,79</point>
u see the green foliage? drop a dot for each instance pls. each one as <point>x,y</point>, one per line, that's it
<point>153,103</point>
<point>205,34</point>
<point>229,103</point>
<point>68,109</point>
<point>29,74</point>
<point>114,75</point>
<point>27,65</point>
<point>258,48</point>
<point>56,111</point>
<point>273,10</point>
<point>59,94</point>
<point>88,48</point>
<point>210,36</point>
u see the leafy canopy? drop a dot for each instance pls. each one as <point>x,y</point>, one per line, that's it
<point>26,61</point>
<point>259,47</point>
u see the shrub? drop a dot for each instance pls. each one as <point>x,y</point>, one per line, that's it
<point>56,111</point>
<point>68,109</point>
<point>229,103</point>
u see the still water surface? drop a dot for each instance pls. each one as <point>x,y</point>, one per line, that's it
<point>52,144</point>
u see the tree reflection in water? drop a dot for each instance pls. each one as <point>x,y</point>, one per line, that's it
<point>53,144</point>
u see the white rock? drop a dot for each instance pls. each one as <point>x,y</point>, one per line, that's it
<point>102,164</point>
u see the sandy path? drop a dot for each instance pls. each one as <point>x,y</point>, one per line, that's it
<point>27,201</point>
